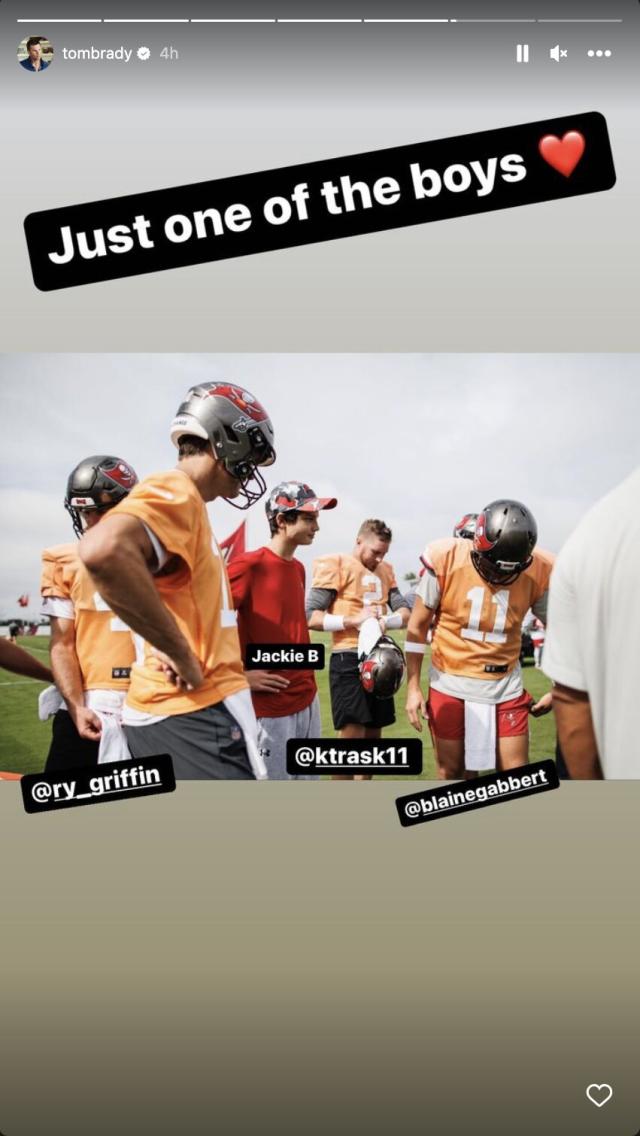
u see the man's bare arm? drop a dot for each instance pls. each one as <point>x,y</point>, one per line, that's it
<point>19,661</point>
<point>64,661</point>
<point>118,555</point>
<point>68,678</point>
<point>575,733</point>
<point>419,623</point>
<point>403,613</point>
<point>315,620</point>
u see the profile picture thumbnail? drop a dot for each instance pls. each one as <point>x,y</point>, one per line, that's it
<point>35,53</point>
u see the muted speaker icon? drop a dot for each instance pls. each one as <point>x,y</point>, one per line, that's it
<point>558,52</point>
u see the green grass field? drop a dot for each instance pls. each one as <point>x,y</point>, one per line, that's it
<point>24,740</point>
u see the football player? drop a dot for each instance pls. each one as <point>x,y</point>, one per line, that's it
<point>479,593</point>
<point>91,650</point>
<point>345,591</point>
<point>268,588</point>
<point>156,563</point>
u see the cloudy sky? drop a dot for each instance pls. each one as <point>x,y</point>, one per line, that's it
<point>417,440</point>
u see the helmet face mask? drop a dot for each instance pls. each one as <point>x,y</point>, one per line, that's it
<point>498,572</point>
<point>252,484</point>
<point>78,512</point>
<point>503,544</point>
<point>96,485</point>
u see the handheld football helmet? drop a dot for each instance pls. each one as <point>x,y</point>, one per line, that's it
<point>382,669</point>
<point>295,497</point>
<point>238,428</point>
<point>505,537</point>
<point>98,482</point>
<point>466,527</point>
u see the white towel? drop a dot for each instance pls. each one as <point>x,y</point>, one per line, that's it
<point>49,702</point>
<point>241,706</point>
<point>369,634</point>
<point>105,701</point>
<point>108,704</point>
<point>479,735</point>
<point>113,743</point>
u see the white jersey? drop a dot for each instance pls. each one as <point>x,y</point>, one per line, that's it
<point>593,631</point>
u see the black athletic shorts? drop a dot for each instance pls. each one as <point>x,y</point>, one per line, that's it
<point>350,703</point>
<point>67,748</point>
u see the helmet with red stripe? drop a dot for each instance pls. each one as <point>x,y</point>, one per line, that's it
<point>239,431</point>
<point>466,526</point>
<point>505,537</point>
<point>382,669</point>
<point>96,485</point>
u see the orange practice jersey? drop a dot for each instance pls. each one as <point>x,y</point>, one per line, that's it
<point>356,586</point>
<point>104,644</point>
<point>197,595</point>
<point>479,624</point>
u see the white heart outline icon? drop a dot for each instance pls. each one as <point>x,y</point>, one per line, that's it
<point>598,1089</point>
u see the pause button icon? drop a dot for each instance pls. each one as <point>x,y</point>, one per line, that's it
<point>522,53</point>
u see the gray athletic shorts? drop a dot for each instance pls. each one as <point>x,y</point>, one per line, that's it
<point>273,734</point>
<point>204,745</point>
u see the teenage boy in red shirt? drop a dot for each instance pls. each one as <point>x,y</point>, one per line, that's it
<point>268,588</point>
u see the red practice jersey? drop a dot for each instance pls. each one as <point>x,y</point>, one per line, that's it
<point>268,593</point>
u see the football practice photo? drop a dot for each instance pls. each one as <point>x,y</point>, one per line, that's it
<point>457,532</point>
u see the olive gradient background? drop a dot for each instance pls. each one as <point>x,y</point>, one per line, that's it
<point>285,958</point>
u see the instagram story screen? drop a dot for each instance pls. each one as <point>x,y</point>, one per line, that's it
<point>319,471</point>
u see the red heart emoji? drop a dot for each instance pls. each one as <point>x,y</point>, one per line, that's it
<point>563,154</point>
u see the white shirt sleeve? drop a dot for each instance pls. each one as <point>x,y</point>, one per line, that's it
<point>159,549</point>
<point>562,660</point>
<point>429,590</point>
<point>58,607</point>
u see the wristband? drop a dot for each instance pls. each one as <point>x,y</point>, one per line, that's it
<point>415,648</point>
<point>393,621</point>
<point>333,623</point>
